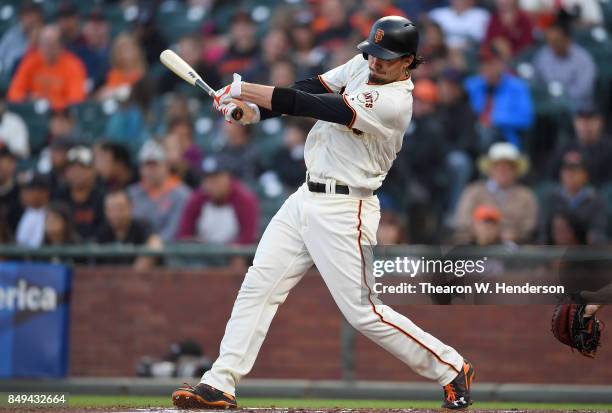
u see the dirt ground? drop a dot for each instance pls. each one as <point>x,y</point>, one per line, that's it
<point>266,410</point>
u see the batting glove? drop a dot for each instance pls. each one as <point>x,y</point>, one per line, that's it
<point>228,92</point>
<point>250,111</point>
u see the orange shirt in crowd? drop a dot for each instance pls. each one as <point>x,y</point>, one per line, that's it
<point>117,78</point>
<point>61,83</point>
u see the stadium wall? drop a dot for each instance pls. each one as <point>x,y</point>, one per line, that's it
<point>119,315</point>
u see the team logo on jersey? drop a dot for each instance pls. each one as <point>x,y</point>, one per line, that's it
<point>368,98</point>
<point>378,35</point>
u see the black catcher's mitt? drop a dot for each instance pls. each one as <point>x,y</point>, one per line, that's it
<point>570,327</point>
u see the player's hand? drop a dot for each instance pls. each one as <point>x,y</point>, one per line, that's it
<point>233,90</point>
<point>250,111</point>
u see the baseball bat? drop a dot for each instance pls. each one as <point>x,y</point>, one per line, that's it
<point>182,69</point>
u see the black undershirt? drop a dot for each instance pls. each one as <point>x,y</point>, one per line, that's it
<point>312,99</point>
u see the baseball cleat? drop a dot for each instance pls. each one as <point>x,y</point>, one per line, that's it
<point>202,396</point>
<point>457,392</point>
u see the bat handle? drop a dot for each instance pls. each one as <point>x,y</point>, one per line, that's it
<point>237,114</point>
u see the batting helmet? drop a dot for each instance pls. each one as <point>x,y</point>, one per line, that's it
<point>391,37</point>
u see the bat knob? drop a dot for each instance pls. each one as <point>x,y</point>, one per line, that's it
<point>237,114</point>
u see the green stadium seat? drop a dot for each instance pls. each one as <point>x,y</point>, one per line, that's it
<point>268,139</point>
<point>176,21</point>
<point>36,117</point>
<point>90,119</point>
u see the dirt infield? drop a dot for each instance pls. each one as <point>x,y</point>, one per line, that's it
<point>274,410</point>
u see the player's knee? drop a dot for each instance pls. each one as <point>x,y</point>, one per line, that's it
<point>363,323</point>
<point>256,286</point>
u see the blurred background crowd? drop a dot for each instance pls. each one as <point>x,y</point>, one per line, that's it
<point>99,143</point>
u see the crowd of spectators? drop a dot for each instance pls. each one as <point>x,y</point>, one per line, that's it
<point>508,142</point>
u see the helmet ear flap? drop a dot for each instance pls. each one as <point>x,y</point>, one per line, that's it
<point>365,55</point>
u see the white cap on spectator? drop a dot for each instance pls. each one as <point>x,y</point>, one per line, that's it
<point>504,151</point>
<point>81,155</point>
<point>152,151</point>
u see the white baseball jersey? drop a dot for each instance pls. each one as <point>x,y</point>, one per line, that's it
<point>361,154</point>
<point>331,231</point>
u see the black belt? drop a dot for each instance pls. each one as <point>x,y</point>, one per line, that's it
<point>319,187</point>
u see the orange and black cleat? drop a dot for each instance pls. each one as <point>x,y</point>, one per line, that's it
<point>457,392</point>
<point>202,396</point>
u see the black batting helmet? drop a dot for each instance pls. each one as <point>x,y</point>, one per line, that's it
<point>391,37</point>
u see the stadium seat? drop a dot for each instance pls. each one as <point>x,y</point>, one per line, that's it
<point>268,139</point>
<point>91,118</point>
<point>175,20</point>
<point>36,117</point>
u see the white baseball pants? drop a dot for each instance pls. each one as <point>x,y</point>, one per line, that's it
<point>331,231</point>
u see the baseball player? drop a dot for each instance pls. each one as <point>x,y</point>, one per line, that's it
<point>363,108</point>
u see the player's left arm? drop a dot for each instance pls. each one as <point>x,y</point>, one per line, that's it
<point>329,107</point>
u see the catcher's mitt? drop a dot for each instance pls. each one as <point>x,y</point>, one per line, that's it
<point>570,327</point>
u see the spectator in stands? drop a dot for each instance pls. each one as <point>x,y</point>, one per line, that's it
<point>121,227</point>
<point>501,100</point>
<point>83,195</point>
<point>567,229</point>
<point>288,163</point>
<point>50,73</point>
<point>10,207</point>
<point>35,195</point>
<point>433,47</point>
<point>275,48</point>
<point>240,150</point>
<point>592,144</point>
<point>53,158</point>
<point>16,41</point>
<point>282,73</point>
<point>159,197</point>
<point>458,124</point>
<point>543,12</point>
<point>148,34</point>
<point>462,23</point>
<point>113,166</point>
<point>391,229</point>
<point>95,51</point>
<point>243,49</point>
<point>61,125</point>
<point>371,11</point>
<point>308,56</point>
<point>13,131</point>
<point>54,162</point>
<point>130,124</point>
<point>190,49</point>
<point>575,195</point>
<point>127,67</point>
<point>331,25</point>
<point>566,63</point>
<point>223,210</point>
<point>69,23</point>
<point>59,225</point>
<point>423,156</point>
<point>486,226</point>
<point>503,165</point>
<point>510,29</point>
<point>183,155</point>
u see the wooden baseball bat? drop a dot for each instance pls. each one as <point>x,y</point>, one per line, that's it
<point>182,69</point>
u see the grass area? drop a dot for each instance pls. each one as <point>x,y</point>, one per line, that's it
<point>151,401</point>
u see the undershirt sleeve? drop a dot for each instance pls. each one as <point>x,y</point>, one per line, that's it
<point>329,107</point>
